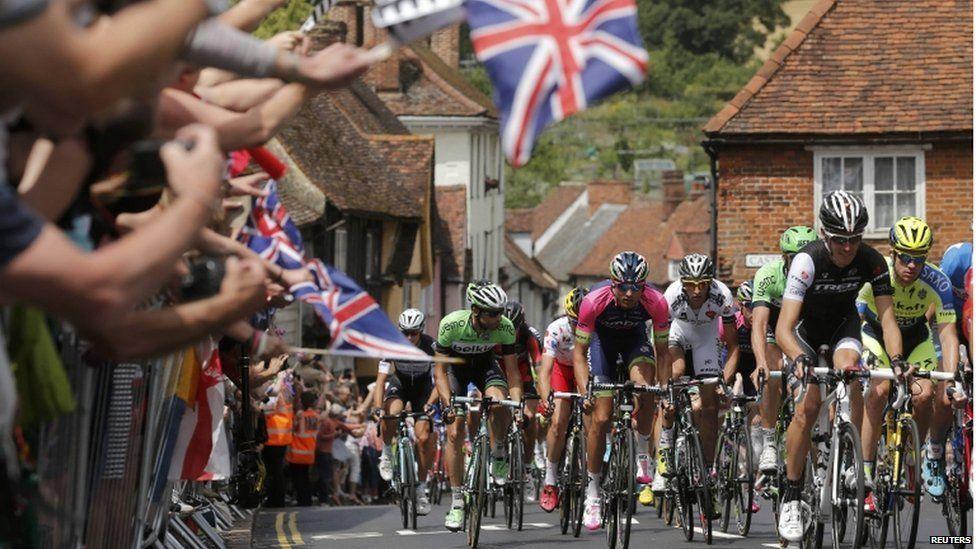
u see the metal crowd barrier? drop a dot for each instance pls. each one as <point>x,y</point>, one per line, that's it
<point>103,469</point>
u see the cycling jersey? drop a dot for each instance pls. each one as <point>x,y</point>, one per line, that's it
<point>457,337</point>
<point>931,288</point>
<point>768,286</point>
<point>600,313</point>
<point>747,359</point>
<point>697,331</point>
<point>956,260</point>
<point>527,352</point>
<point>559,341</point>
<point>411,368</point>
<point>828,291</point>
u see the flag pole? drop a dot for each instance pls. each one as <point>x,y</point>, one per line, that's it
<point>355,354</point>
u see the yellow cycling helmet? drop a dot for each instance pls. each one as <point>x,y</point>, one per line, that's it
<point>573,300</point>
<point>911,235</point>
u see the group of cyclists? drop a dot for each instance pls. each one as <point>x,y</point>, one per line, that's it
<point>829,299</point>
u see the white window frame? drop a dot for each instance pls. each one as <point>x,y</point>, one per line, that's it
<point>867,155</point>
<point>673,266</point>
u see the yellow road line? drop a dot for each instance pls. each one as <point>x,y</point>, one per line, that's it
<point>280,530</point>
<point>296,536</point>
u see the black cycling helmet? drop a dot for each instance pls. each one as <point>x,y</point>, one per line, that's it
<point>515,313</point>
<point>628,267</point>
<point>843,213</point>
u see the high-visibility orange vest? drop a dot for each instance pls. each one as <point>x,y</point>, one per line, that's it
<point>279,422</point>
<point>302,447</point>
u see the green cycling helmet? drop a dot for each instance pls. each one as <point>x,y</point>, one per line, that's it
<point>795,238</point>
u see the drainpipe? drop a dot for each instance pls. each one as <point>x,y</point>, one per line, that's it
<point>712,153</point>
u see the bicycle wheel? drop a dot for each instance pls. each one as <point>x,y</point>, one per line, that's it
<point>515,487</point>
<point>907,486</point>
<point>877,525</point>
<point>847,512</point>
<point>610,500</point>
<point>683,495</point>
<point>746,481</point>
<point>701,489</point>
<point>625,488</point>
<point>579,481</point>
<point>725,469</point>
<point>401,485</point>
<point>954,507</point>
<point>477,492</point>
<point>409,486</point>
<point>565,495</point>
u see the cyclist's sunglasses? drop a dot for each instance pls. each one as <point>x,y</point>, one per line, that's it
<point>695,281</point>
<point>409,333</point>
<point>489,314</point>
<point>840,240</point>
<point>628,286</point>
<point>909,259</point>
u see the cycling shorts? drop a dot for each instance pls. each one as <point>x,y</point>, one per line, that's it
<point>630,348</point>
<point>844,333</point>
<point>414,390</point>
<point>459,376</point>
<point>916,341</point>
<point>562,379</point>
<point>701,347</point>
<point>747,365</point>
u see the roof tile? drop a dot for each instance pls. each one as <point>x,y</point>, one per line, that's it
<point>450,226</point>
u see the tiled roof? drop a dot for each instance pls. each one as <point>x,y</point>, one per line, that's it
<point>304,201</point>
<point>450,227</point>
<point>863,67</point>
<point>641,228</point>
<point>531,267</point>
<point>575,238</point>
<point>518,220</point>
<point>556,201</point>
<point>356,151</point>
<point>430,87</point>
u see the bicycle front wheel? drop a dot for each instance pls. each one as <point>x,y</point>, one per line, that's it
<point>847,510</point>
<point>625,488</point>
<point>907,487</point>
<point>700,486</point>
<point>477,492</point>
<point>733,465</point>
<point>578,481</point>
<point>409,487</point>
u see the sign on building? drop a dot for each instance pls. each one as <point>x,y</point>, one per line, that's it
<point>758,260</point>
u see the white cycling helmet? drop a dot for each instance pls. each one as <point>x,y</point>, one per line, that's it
<point>412,320</point>
<point>696,267</point>
<point>485,295</point>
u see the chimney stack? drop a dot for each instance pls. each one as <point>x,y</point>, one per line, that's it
<point>608,192</point>
<point>673,189</point>
<point>446,43</point>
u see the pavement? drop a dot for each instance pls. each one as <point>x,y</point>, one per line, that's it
<point>370,527</point>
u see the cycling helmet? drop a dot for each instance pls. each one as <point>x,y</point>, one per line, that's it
<point>744,294</point>
<point>485,295</point>
<point>515,313</point>
<point>412,320</point>
<point>795,238</point>
<point>911,235</point>
<point>628,267</point>
<point>843,213</point>
<point>696,267</point>
<point>573,300</point>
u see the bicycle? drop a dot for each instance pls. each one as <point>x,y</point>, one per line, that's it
<point>836,456</point>
<point>477,481</point>
<point>770,487</point>
<point>734,463</point>
<point>688,482</point>
<point>404,483</point>
<point>618,482</point>
<point>898,491</point>
<point>572,478</point>
<point>438,474</point>
<point>514,489</point>
<point>957,500</point>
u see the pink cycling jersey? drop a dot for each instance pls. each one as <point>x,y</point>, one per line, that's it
<point>599,312</point>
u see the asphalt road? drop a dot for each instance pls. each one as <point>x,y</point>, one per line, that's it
<point>379,526</point>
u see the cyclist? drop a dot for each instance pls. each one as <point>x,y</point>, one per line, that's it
<point>767,298</point>
<point>919,287</point>
<point>743,326</point>
<point>956,261</point>
<point>475,335</point>
<point>528,354</point>
<point>818,309</point>
<point>612,326</point>
<point>700,307</point>
<point>411,383</point>
<point>556,374</point>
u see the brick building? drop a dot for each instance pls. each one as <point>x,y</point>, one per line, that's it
<point>871,96</point>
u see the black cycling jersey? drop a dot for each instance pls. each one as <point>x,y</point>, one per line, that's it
<point>827,291</point>
<point>412,368</point>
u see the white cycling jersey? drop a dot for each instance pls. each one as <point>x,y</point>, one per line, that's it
<point>559,341</point>
<point>697,331</point>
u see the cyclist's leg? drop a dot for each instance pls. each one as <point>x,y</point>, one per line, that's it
<point>392,405</point>
<point>846,346</point>
<point>771,400</point>
<point>602,366</point>
<point>876,397</point>
<point>531,427</point>
<point>804,416</point>
<point>456,434</point>
<point>921,351</point>
<point>491,381</point>
<point>705,360</point>
<point>642,370</point>
<point>561,380</point>
<point>418,395</point>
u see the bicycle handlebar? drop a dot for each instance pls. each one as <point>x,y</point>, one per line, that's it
<point>560,394</point>
<point>405,415</point>
<point>628,386</point>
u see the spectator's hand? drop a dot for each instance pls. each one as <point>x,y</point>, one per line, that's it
<point>276,347</point>
<point>278,296</point>
<point>248,185</point>
<point>243,283</point>
<point>196,172</point>
<point>334,67</point>
<point>287,40</point>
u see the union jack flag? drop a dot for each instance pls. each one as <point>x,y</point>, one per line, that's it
<point>357,325</point>
<point>549,59</point>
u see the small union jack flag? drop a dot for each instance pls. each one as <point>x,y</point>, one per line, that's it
<point>549,59</point>
<point>357,325</point>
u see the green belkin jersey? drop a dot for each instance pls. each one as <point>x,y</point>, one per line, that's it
<point>457,336</point>
<point>769,284</point>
